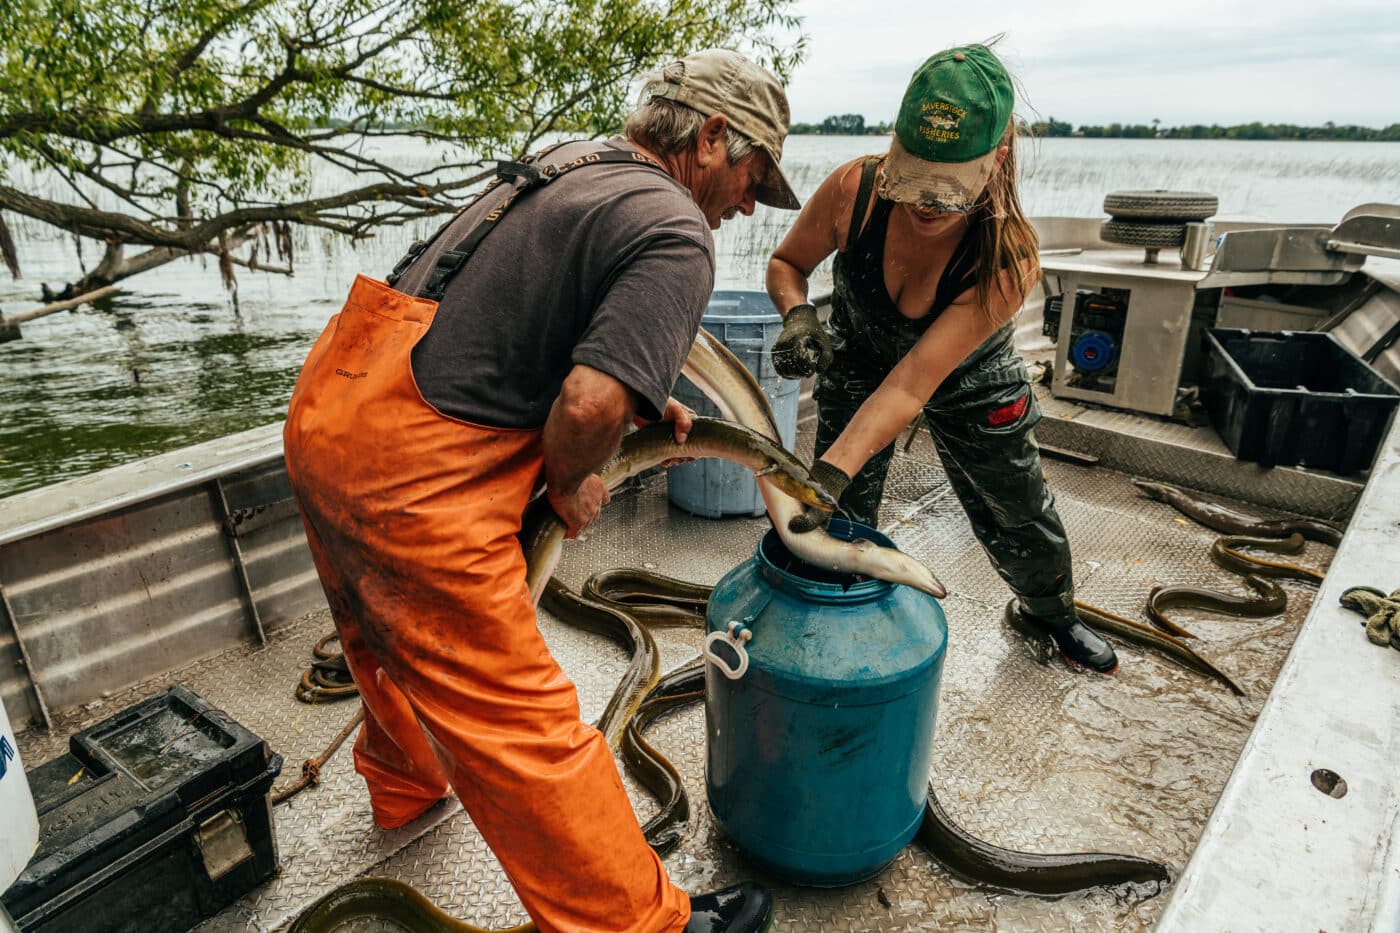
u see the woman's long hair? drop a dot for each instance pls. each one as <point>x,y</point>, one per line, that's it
<point>1005,238</point>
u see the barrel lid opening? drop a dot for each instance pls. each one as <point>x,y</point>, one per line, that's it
<point>775,559</point>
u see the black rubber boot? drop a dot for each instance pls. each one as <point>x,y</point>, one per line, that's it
<point>745,908</point>
<point>1079,645</point>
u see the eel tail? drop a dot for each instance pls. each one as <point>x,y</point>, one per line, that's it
<point>1028,872</point>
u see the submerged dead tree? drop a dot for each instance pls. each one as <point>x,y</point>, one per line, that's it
<point>170,128</point>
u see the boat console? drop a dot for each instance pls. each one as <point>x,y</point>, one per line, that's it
<point>1128,325</point>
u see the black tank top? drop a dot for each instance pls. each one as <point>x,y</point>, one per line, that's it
<point>862,311</point>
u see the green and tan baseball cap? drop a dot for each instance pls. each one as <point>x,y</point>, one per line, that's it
<point>720,81</point>
<point>951,120</point>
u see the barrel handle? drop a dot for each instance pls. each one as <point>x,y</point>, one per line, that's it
<point>735,636</point>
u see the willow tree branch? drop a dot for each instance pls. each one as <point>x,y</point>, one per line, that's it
<point>100,224</point>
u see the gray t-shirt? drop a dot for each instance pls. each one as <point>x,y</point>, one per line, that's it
<point>610,266</point>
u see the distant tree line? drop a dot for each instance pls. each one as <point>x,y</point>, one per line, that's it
<point>1255,130</point>
<point>845,124</point>
<point>853,124</point>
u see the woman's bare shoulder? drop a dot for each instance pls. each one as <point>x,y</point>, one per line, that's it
<point>847,175</point>
<point>841,188</point>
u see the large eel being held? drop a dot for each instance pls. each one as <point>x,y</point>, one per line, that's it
<point>726,382</point>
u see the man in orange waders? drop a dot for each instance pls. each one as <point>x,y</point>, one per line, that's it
<point>517,344</point>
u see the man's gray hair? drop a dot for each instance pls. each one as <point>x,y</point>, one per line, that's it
<point>666,127</point>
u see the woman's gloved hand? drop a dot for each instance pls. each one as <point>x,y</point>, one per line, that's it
<point>803,348</point>
<point>831,478</point>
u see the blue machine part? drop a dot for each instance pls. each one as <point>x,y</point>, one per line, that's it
<point>1092,351</point>
<point>819,738</point>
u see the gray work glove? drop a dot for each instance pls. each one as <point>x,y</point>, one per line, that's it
<point>831,478</point>
<point>803,348</point>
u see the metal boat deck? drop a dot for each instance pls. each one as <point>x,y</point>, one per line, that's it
<point>1029,756</point>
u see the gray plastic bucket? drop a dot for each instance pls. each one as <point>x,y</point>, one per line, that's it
<point>745,322</point>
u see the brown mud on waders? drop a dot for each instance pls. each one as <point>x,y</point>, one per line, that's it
<point>412,519</point>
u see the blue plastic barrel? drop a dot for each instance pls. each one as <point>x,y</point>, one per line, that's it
<point>818,754</point>
<point>745,322</point>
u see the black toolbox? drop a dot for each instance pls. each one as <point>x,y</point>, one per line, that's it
<point>1295,398</point>
<point>156,818</point>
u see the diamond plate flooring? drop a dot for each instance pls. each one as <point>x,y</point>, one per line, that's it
<point>1028,756</point>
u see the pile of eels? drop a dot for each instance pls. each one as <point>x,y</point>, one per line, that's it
<point>624,604</point>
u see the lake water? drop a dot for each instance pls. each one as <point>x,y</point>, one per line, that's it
<point>169,362</point>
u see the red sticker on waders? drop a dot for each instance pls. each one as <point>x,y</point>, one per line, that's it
<point>1008,413</point>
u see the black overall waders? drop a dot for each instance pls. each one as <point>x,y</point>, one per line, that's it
<point>981,419</point>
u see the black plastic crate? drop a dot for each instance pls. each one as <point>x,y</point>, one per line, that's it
<point>1295,398</point>
<point>157,818</point>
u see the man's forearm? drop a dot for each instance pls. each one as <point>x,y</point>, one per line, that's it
<point>584,427</point>
<point>574,448</point>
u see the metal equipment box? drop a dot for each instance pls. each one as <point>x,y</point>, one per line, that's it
<point>155,819</point>
<point>1295,398</point>
<point>1124,328</point>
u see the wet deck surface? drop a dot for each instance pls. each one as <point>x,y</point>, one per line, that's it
<point>1027,756</point>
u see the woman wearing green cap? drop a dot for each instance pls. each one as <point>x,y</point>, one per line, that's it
<point>929,272</point>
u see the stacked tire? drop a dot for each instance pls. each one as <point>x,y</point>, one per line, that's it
<point>1154,219</point>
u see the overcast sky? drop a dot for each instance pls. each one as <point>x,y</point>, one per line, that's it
<point>1105,61</point>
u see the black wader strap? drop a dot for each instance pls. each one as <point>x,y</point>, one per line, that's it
<point>867,183</point>
<point>419,246</point>
<point>531,176</point>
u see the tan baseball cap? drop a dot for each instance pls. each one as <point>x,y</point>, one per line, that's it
<point>719,81</point>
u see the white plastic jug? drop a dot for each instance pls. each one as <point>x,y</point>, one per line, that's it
<point>19,822</point>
